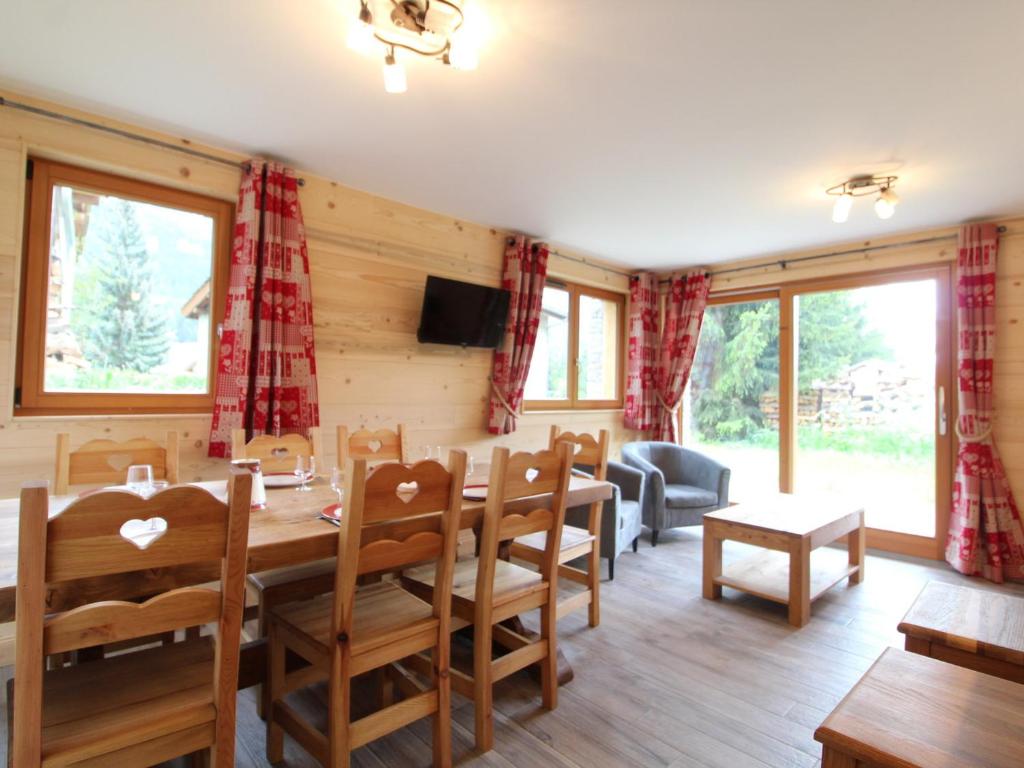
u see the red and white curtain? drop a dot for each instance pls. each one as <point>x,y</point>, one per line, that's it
<point>684,313</point>
<point>641,401</point>
<point>986,537</point>
<point>266,371</point>
<point>525,273</point>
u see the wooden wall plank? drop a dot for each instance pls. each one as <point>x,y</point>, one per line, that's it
<point>368,258</point>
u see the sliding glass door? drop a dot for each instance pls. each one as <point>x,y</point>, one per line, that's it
<point>731,404</point>
<point>837,387</point>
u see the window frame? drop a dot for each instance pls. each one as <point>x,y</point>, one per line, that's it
<point>574,402</point>
<point>31,398</point>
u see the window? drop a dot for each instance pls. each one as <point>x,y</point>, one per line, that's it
<point>121,279</point>
<point>577,360</point>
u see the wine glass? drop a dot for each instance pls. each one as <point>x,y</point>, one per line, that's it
<point>140,477</point>
<point>305,466</point>
<point>470,466</point>
<point>338,483</point>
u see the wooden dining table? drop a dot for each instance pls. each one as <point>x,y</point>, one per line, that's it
<point>289,531</point>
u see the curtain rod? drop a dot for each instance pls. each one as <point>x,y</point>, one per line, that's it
<point>4,102</point>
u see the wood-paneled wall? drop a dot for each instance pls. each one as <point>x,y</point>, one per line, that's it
<point>1009,379</point>
<point>368,258</point>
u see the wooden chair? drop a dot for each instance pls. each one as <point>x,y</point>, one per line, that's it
<point>278,454</point>
<point>488,590</point>
<point>141,708</point>
<point>380,445</point>
<point>592,455</point>
<point>356,630</point>
<point>106,462</point>
<point>302,582</point>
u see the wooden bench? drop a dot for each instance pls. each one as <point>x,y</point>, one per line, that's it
<point>912,711</point>
<point>974,628</point>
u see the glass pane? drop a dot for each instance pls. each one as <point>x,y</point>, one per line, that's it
<point>865,426</point>
<point>598,375</point>
<point>550,363</point>
<point>128,300</point>
<point>731,404</point>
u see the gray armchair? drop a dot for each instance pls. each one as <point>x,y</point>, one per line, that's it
<point>681,484</point>
<point>620,516</point>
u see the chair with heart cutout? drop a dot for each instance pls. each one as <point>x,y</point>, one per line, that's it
<point>376,445</point>
<point>277,454</point>
<point>583,539</point>
<point>106,461</point>
<point>488,590</point>
<point>148,706</point>
<point>395,516</point>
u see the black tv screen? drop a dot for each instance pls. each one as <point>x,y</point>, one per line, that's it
<point>464,314</point>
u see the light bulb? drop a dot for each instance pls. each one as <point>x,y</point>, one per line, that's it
<point>462,52</point>
<point>841,208</point>
<point>394,75</point>
<point>885,205</point>
<point>360,37</point>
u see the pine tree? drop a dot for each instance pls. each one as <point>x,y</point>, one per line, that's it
<point>125,330</point>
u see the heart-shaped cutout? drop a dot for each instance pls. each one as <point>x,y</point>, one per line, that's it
<point>577,448</point>
<point>374,445</point>
<point>532,474</point>
<point>407,491</point>
<point>279,452</point>
<point>119,462</point>
<point>142,533</point>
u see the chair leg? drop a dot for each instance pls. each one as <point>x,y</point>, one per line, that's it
<point>611,569</point>
<point>636,543</point>
<point>654,538</point>
<point>483,704</point>
<point>549,664</point>
<point>200,759</point>
<point>594,585</point>
<point>274,685</point>
<point>262,691</point>
<point>338,713</point>
<point>442,720</point>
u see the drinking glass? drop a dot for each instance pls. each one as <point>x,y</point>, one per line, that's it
<point>140,477</point>
<point>338,483</point>
<point>470,467</point>
<point>305,466</point>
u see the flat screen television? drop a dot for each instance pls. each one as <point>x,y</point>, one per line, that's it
<point>463,314</point>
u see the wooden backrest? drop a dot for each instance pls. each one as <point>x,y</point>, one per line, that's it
<point>106,461</point>
<point>278,454</point>
<point>509,512</point>
<point>376,535</point>
<point>588,451</point>
<point>113,532</point>
<point>379,445</point>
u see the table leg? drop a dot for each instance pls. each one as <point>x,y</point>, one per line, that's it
<point>830,758</point>
<point>800,581</point>
<point>712,562</point>
<point>855,547</point>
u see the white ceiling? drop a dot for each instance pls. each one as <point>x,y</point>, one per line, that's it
<point>652,132</point>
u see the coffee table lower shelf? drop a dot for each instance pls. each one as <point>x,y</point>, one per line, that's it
<point>766,574</point>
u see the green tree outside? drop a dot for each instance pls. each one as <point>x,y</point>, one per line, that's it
<point>116,321</point>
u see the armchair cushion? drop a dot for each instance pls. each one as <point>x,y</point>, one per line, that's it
<point>679,496</point>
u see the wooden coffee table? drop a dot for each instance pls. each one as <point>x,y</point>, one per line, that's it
<point>974,628</point>
<point>909,711</point>
<point>789,527</point>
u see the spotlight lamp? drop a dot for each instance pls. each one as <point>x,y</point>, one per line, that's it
<point>861,186</point>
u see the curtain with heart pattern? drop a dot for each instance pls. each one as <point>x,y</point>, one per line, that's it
<point>266,371</point>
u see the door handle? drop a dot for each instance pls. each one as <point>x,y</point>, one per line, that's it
<point>943,425</point>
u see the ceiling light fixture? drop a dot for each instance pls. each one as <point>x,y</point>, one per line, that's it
<point>859,186</point>
<point>434,29</point>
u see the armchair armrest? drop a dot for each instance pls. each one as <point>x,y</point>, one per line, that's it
<point>704,472</point>
<point>629,479</point>
<point>653,503</point>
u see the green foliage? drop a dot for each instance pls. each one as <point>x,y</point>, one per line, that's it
<point>738,357</point>
<point>115,380</point>
<point>117,323</point>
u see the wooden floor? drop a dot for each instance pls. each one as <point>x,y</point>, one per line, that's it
<point>670,679</point>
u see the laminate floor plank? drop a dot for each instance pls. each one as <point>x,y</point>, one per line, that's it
<point>668,680</point>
